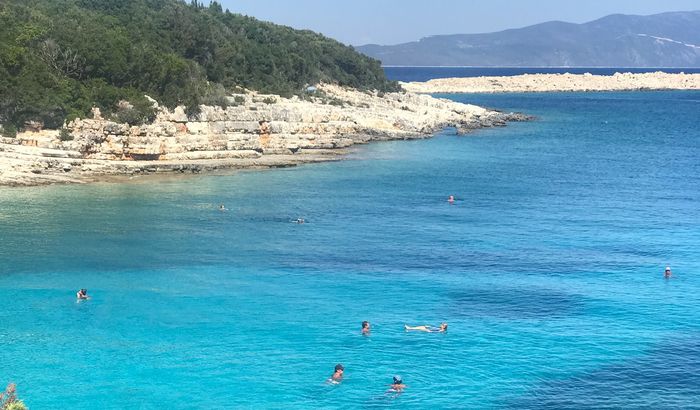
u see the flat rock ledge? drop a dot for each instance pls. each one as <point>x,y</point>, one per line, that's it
<point>558,82</point>
<point>254,131</point>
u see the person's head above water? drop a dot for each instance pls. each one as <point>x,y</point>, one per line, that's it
<point>337,375</point>
<point>365,325</point>
<point>397,385</point>
<point>443,326</point>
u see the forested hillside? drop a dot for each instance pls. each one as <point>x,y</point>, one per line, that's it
<point>59,58</point>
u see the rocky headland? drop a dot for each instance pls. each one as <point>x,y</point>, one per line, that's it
<point>558,82</point>
<point>254,130</point>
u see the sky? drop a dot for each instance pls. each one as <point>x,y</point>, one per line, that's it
<point>359,22</point>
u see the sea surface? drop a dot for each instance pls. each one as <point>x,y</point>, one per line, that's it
<point>548,269</point>
<point>406,74</point>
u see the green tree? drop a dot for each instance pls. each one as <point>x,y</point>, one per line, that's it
<point>59,58</point>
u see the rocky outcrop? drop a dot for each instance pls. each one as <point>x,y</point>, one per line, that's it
<point>558,82</point>
<point>253,131</point>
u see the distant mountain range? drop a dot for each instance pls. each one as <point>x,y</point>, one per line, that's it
<point>660,40</point>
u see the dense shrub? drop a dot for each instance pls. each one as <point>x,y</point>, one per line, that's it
<point>65,135</point>
<point>134,113</point>
<point>9,131</point>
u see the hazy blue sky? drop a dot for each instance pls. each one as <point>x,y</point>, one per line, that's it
<point>396,21</point>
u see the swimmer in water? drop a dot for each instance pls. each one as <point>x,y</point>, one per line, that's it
<point>667,272</point>
<point>365,328</point>
<point>300,220</point>
<point>82,294</point>
<point>397,386</point>
<point>222,208</point>
<point>337,375</point>
<point>428,329</point>
<point>451,199</point>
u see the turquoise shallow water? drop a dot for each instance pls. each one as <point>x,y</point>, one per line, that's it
<point>548,269</point>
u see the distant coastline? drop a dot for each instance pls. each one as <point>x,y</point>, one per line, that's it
<point>558,83</point>
<point>542,66</point>
<point>425,73</point>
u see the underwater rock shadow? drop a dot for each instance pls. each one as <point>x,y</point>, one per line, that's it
<point>516,303</point>
<point>667,377</point>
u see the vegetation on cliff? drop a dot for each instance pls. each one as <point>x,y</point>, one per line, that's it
<point>59,58</point>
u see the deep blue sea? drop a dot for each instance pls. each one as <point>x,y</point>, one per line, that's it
<point>548,269</point>
<point>407,74</point>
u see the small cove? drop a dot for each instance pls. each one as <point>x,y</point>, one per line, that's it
<point>548,269</point>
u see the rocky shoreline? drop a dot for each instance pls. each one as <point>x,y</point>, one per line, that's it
<point>254,131</point>
<point>558,83</point>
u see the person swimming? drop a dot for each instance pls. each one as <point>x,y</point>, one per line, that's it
<point>397,385</point>
<point>82,294</point>
<point>300,220</point>
<point>427,328</point>
<point>365,328</point>
<point>451,199</point>
<point>667,272</point>
<point>222,208</point>
<point>337,375</point>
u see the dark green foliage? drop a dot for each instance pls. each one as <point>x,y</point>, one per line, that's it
<point>9,131</point>
<point>65,135</point>
<point>137,111</point>
<point>59,58</point>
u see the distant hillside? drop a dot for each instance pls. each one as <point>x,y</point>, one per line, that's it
<point>661,40</point>
<point>58,58</point>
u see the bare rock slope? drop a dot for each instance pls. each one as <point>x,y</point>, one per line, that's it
<point>254,131</point>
